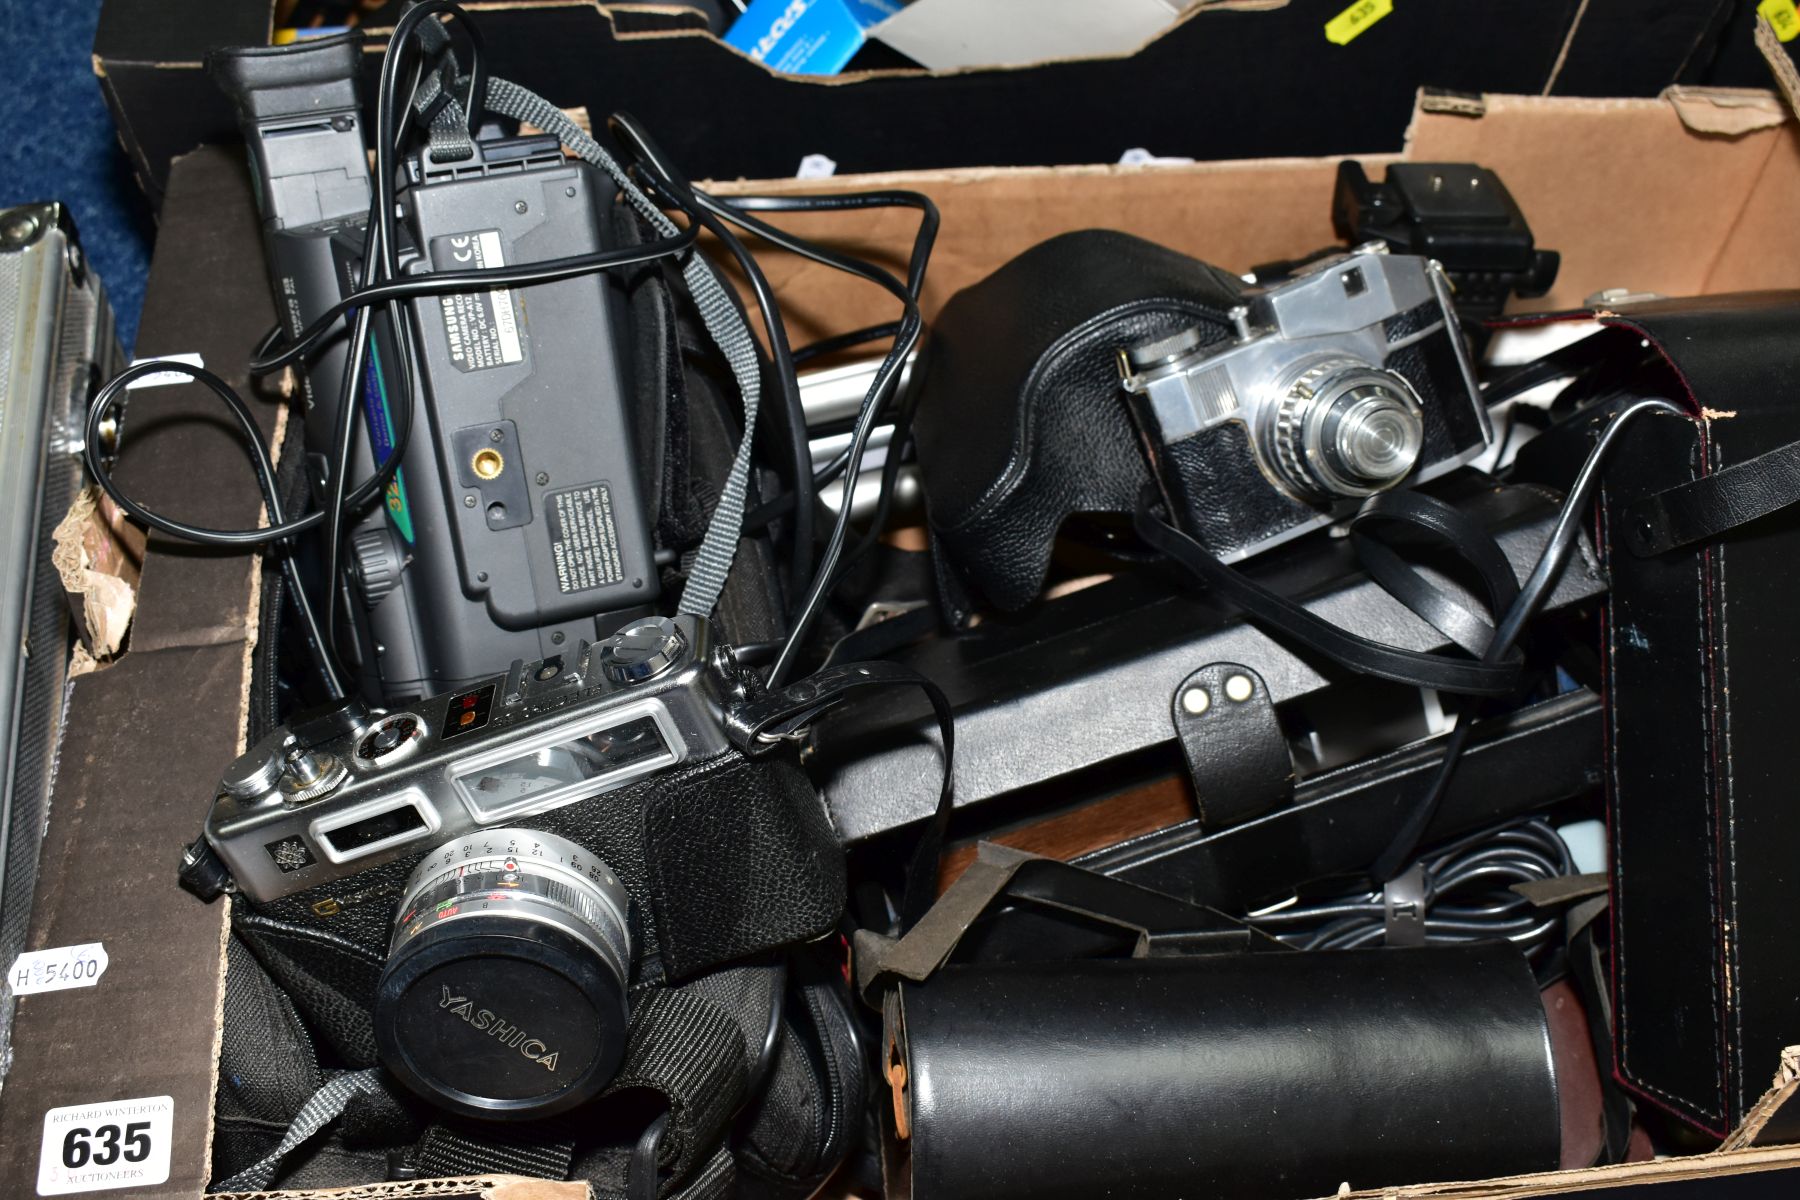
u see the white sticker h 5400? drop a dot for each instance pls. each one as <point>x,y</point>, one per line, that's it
<point>56,969</point>
<point>96,1147</point>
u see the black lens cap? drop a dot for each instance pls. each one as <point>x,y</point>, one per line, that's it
<point>501,1017</point>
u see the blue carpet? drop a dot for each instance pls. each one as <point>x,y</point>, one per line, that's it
<point>58,143</point>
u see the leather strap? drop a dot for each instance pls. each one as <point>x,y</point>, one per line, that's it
<point>1353,651</point>
<point>1702,509</point>
<point>1237,756</point>
<point>1461,534</point>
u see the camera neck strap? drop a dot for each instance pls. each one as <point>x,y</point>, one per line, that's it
<point>321,1108</point>
<point>438,104</point>
<point>687,1044</point>
<point>1444,524</point>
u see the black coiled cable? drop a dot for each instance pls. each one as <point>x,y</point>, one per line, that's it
<point>1468,897</point>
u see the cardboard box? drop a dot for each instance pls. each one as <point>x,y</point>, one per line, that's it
<point>1685,194</point>
<point>1218,84</point>
<point>1680,195</point>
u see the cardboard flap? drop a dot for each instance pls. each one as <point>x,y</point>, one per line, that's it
<point>1776,1118</point>
<point>99,555</point>
<point>1726,111</point>
<point>1768,43</point>
<point>478,1187</point>
<point>1614,1180</point>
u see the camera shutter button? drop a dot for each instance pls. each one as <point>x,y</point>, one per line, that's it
<point>642,650</point>
<point>311,774</point>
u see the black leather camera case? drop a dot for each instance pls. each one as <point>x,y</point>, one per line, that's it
<point>1702,651</point>
<point>1022,421</point>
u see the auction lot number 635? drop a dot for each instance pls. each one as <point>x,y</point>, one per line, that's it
<point>110,1144</point>
<point>105,1145</point>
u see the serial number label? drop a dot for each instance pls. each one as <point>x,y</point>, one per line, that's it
<point>58,969</point>
<point>482,327</point>
<point>584,537</point>
<point>97,1147</point>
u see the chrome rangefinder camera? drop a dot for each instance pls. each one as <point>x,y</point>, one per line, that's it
<point>489,874</point>
<point>1345,381</point>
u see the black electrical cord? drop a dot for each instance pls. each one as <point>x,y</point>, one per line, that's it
<point>1532,595</point>
<point>381,261</point>
<point>826,576</point>
<point>906,337</point>
<point>277,530</point>
<point>260,463</point>
<point>770,510</point>
<point>771,1043</point>
<point>890,476</point>
<point>381,284</point>
<point>337,491</point>
<point>738,212</point>
<point>378,262</point>
<point>378,285</point>
<point>1468,897</point>
<point>272,354</point>
<point>668,180</point>
<point>642,1174</point>
<point>845,341</point>
<point>321,643</point>
<point>791,410</point>
<point>269,359</point>
<point>1362,655</point>
<point>1576,359</point>
<point>834,466</point>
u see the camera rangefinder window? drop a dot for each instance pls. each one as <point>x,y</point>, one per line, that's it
<point>536,774</point>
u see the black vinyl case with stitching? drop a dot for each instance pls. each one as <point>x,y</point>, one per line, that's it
<point>1701,655</point>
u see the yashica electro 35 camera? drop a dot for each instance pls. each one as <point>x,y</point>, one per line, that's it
<point>519,849</point>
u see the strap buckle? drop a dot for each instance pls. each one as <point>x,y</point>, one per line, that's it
<point>1236,753</point>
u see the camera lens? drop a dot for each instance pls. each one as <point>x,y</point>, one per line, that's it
<point>1344,428</point>
<point>1372,436</point>
<point>504,990</point>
